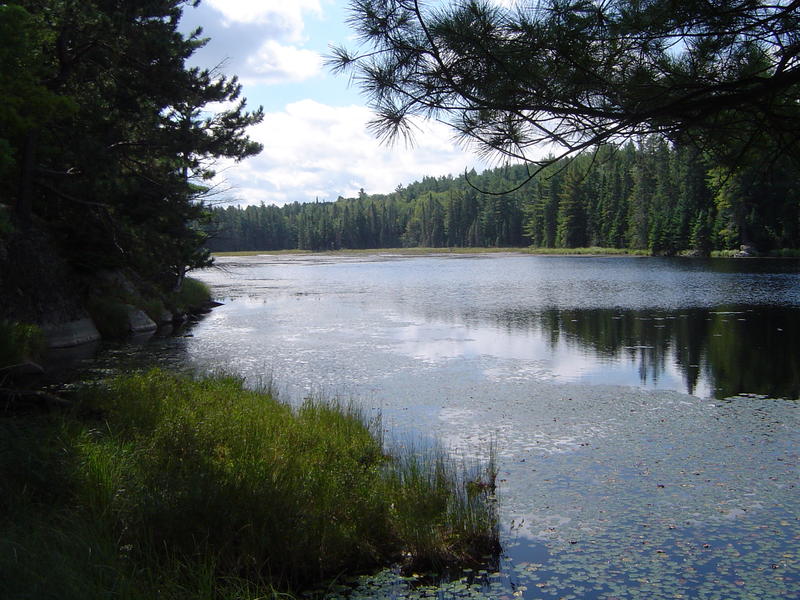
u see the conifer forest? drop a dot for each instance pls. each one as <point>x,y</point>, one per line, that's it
<point>652,196</point>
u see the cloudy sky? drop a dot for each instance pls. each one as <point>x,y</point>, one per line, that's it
<point>316,145</point>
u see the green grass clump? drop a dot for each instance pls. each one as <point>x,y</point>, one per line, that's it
<point>19,342</point>
<point>442,508</point>
<point>205,489</point>
<point>192,295</point>
<point>591,251</point>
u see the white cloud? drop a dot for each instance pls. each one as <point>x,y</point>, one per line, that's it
<point>276,63</point>
<point>284,15</point>
<point>312,150</point>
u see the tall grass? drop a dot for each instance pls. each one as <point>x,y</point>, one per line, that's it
<point>205,489</point>
<point>192,295</point>
<point>440,508</point>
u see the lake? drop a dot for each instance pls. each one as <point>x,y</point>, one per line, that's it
<point>644,410</point>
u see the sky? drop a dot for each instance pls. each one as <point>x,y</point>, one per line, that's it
<point>316,143</point>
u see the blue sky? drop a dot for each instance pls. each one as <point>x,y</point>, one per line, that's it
<point>316,145</point>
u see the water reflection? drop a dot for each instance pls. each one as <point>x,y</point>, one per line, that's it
<point>707,328</point>
<point>720,352</point>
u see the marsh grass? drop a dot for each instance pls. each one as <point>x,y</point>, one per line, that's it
<point>192,295</point>
<point>368,251</point>
<point>200,488</point>
<point>591,251</point>
<point>443,507</point>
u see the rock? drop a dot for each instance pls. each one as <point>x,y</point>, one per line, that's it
<point>165,318</point>
<point>70,333</point>
<point>205,308</point>
<point>139,321</point>
<point>746,251</point>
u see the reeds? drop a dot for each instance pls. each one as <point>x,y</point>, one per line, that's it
<point>199,484</point>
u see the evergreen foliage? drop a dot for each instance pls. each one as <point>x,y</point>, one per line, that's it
<point>576,73</point>
<point>648,196</point>
<point>105,138</point>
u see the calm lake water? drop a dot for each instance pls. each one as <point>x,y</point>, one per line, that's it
<point>644,410</point>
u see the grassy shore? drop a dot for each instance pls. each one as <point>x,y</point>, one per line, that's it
<point>590,251</point>
<point>160,485</point>
<point>425,251</point>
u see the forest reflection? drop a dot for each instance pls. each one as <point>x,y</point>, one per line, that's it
<point>750,350</point>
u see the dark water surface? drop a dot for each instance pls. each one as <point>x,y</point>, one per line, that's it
<point>644,410</point>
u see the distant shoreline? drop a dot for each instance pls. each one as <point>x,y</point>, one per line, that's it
<point>588,252</point>
<point>468,250</point>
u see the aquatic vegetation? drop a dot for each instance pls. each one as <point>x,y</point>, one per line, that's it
<point>199,483</point>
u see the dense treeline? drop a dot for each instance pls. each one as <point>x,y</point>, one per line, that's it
<point>650,196</point>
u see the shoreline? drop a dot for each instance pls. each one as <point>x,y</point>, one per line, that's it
<point>583,252</point>
<point>430,251</point>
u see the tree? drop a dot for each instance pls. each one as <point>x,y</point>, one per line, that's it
<point>120,171</point>
<point>577,73</point>
<point>571,211</point>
